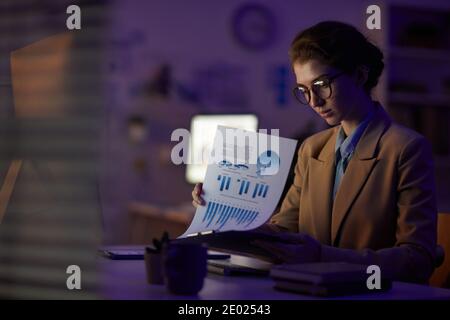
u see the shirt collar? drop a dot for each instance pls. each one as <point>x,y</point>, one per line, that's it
<point>346,145</point>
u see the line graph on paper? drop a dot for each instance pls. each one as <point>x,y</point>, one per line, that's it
<point>218,214</point>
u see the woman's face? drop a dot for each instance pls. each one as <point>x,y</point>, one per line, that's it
<point>341,105</point>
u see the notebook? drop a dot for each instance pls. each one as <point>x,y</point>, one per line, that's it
<point>334,289</point>
<point>324,279</point>
<point>321,273</point>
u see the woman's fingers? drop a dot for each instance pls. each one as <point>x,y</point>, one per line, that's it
<point>198,202</point>
<point>199,188</point>
<point>197,199</point>
<point>196,192</point>
<point>268,228</point>
<point>195,204</point>
<point>291,237</point>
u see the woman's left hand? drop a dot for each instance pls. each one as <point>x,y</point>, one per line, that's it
<point>292,248</point>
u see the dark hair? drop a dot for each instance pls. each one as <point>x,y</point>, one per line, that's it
<point>339,45</point>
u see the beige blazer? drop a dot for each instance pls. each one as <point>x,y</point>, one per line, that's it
<point>384,212</point>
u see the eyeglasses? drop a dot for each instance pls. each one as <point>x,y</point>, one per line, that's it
<point>321,88</point>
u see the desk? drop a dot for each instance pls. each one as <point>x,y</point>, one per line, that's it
<point>126,279</point>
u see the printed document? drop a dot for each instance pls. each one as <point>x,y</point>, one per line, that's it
<point>246,175</point>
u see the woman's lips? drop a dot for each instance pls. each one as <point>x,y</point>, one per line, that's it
<point>326,114</point>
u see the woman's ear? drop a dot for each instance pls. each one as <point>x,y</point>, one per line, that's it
<point>362,75</point>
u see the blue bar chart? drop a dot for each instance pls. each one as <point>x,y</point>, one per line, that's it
<point>260,190</point>
<point>224,182</point>
<point>218,214</point>
<point>244,186</point>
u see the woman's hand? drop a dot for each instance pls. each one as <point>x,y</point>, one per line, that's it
<point>292,248</point>
<point>196,195</point>
<point>269,228</point>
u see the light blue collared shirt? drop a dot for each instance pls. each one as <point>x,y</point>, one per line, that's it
<point>344,149</point>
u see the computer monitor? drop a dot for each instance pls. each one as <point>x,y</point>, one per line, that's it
<point>203,129</point>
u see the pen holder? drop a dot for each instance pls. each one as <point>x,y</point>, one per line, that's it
<point>184,267</point>
<point>154,267</point>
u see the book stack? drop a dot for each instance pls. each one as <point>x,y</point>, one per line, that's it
<point>324,279</point>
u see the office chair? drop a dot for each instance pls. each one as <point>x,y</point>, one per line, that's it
<point>440,256</point>
<point>441,274</point>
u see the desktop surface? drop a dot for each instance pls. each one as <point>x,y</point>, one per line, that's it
<point>126,279</point>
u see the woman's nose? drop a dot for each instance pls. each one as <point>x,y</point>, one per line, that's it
<point>316,101</point>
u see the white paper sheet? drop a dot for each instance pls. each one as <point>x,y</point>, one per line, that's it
<point>241,192</point>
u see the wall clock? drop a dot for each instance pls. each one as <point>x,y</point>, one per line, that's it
<point>253,26</point>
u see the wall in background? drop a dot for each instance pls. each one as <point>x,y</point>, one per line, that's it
<point>166,61</point>
<point>170,60</point>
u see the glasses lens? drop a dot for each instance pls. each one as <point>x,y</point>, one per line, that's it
<point>302,95</point>
<point>322,89</point>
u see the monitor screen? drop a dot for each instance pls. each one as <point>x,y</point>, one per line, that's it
<point>203,129</point>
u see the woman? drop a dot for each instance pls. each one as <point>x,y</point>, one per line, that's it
<point>364,189</point>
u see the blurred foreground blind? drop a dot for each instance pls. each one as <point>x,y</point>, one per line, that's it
<point>50,215</point>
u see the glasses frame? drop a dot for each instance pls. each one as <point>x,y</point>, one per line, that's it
<point>307,92</point>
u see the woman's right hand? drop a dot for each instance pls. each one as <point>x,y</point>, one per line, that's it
<point>196,195</point>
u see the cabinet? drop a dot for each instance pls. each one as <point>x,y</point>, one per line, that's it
<point>418,73</point>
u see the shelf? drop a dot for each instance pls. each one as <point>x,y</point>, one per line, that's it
<point>438,100</point>
<point>434,55</point>
<point>417,89</point>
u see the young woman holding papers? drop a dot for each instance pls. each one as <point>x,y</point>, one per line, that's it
<point>364,189</point>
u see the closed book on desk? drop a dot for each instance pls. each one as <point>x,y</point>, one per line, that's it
<point>321,273</point>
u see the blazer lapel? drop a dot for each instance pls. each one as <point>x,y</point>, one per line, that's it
<point>321,187</point>
<point>358,170</point>
<point>353,180</point>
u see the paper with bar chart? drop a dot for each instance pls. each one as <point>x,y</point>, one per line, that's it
<point>245,177</point>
